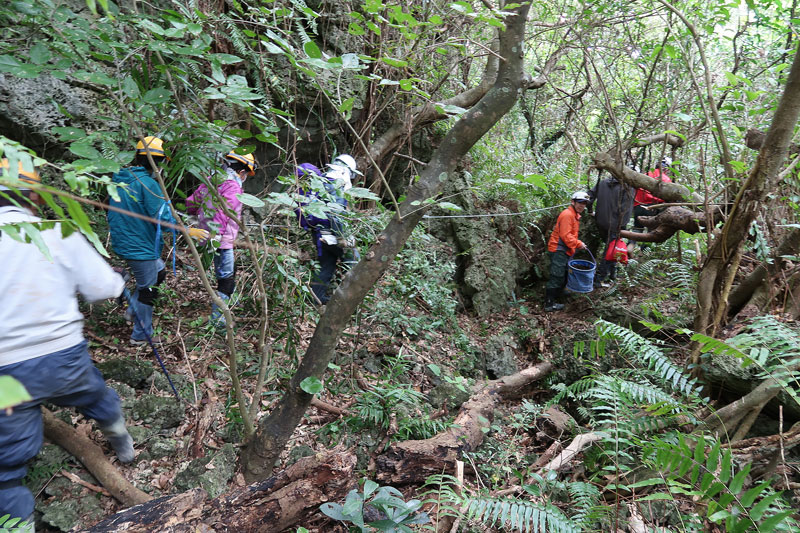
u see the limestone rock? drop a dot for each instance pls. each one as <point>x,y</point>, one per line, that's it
<point>158,411</point>
<point>212,473</point>
<point>500,358</point>
<point>132,372</point>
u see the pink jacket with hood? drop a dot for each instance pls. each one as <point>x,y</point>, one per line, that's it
<point>213,218</point>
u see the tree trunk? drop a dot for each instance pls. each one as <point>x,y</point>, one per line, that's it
<point>274,430</point>
<point>722,261</point>
<point>269,506</point>
<point>741,295</point>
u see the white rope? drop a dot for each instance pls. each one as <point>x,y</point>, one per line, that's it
<point>497,214</point>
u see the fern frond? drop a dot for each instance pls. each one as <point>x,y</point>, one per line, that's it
<point>519,515</point>
<point>646,352</point>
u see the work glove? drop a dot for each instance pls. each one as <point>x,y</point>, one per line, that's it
<point>350,242</point>
<point>199,234</point>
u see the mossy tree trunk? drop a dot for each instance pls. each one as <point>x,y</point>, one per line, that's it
<point>719,268</point>
<point>274,430</point>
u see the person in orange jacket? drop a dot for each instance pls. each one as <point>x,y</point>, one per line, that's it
<point>562,245</point>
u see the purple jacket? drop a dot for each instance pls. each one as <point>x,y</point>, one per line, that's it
<point>214,219</point>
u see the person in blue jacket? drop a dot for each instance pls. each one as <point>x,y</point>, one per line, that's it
<point>139,241</point>
<point>330,239</point>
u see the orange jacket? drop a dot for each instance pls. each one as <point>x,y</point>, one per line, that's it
<point>566,231</point>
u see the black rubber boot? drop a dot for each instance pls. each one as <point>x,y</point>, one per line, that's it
<point>550,301</point>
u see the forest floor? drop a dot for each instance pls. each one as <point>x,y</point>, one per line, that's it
<point>194,442</point>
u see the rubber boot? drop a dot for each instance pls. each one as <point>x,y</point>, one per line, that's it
<point>217,317</point>
<point>550,303</point>
<point>119,438</point>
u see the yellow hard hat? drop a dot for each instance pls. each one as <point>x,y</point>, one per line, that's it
<point>247,159</point>
<point>24,175</point>
<point>151,144</point>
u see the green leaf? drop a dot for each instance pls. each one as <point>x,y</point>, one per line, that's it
<point>435,369</point>
<point>159,95</point>
<point>12,392</point>
<point>250,200</point>
<point>656,496</point>
<point>369,487</point>
<point>83,148</point>
<point>355,29</point>
<point>761,507</point>
<point>226,59</point>
<point>733,79</point>
<point>242,134</point>
<point>769,524</point>
<point>392,62</point>
<point>68,133</point>
<point>360,192</point>
<point>647,483</point>
<point>130,87</point>
<point>449,206</point>
<point>39,54</point>
<point>312,50</point>
<point>311,385</point>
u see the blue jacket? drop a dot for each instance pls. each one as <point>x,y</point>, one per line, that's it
<point>134,238</point>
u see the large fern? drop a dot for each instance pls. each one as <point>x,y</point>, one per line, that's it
<point>649,354</point>
<point>767,344</point>
<point>706,471</point>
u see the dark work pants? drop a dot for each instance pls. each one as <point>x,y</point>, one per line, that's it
<point>64,378</point>
<point>606,268</point>
<point>330,254</point>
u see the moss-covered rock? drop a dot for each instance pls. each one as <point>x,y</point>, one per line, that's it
<point>499,356</point>
<point>69,504</point>
<point>449,394</point>
<point>133,372</point>
<point>297,453</point>
<point>158,411</point>
<point>212,473</point>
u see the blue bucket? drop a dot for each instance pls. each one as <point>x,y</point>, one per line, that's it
<point>580,274</point>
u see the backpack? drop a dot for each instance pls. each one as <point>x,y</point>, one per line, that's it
<point>617,251</point>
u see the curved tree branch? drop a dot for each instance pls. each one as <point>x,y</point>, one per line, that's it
<point>258,459</point>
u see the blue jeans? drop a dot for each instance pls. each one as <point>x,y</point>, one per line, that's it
<point>65,378</point>
<point>224,265</point>
<point>146,274</point>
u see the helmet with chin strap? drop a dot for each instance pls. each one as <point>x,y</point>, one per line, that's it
<point>581,196</point>
<point>153,146</point>
<point>247,160</point>
<point>347,161</point>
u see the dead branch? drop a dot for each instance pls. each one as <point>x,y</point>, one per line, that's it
<point>575,447</point>
<point>414,460</point>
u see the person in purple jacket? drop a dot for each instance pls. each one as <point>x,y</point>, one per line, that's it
<point>219,223</point>
<point>331,240</point>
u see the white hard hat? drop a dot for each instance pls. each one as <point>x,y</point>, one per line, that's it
<point>581,196</point>
<point>667,161</point>
<point>346,160</point>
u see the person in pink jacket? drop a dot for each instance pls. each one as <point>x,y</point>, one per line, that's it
<point>219,223</point>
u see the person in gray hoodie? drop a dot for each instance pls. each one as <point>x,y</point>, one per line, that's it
<point>613,204</point>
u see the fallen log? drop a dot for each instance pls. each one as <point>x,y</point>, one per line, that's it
<point>413,461</point>
<point>91,456</point>
<point>268,506</point>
